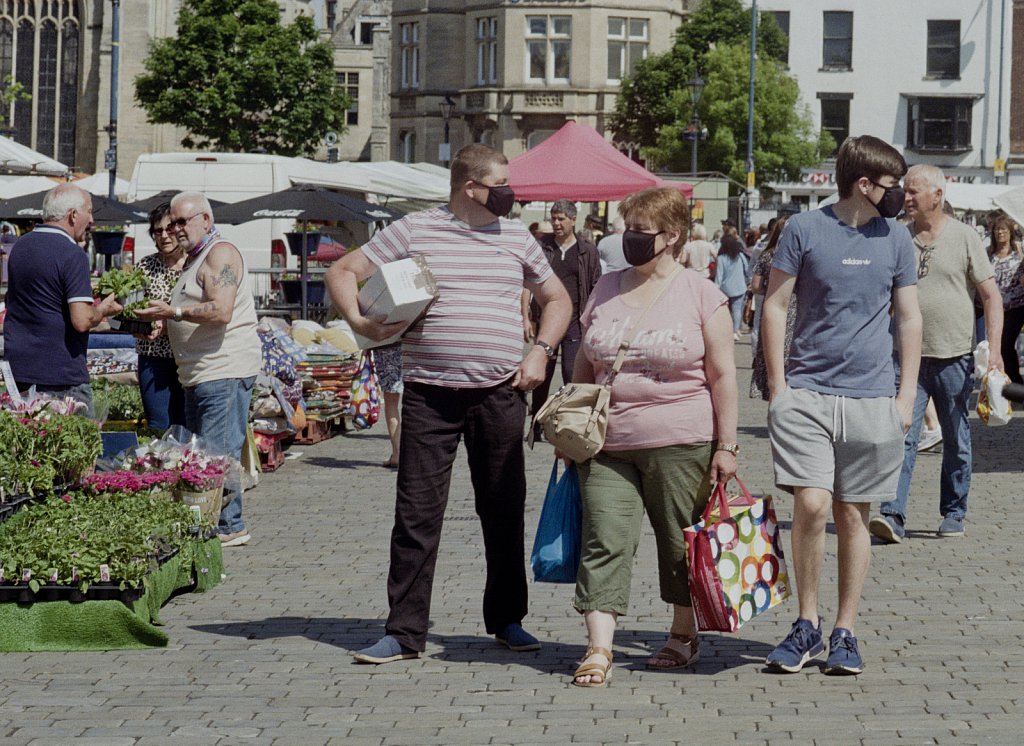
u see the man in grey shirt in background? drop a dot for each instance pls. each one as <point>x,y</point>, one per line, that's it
<point>610,248</point>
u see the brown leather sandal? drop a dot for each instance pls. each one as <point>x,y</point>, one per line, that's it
<point>679,660</point>
<point>594,669</point>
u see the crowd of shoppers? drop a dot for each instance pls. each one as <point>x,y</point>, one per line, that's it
<point>863,321</point>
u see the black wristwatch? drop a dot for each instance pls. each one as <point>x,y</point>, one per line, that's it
<point>548,349</point>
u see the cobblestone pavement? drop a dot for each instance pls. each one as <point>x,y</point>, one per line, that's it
<point>264,658</point>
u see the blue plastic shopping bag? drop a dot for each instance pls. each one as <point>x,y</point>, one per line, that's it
<point>556,547</point>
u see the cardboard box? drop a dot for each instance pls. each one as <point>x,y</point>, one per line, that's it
<point>399,291</point>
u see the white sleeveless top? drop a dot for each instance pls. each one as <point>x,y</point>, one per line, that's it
<point>213,352</point>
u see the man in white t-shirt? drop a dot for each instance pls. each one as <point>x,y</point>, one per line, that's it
<point>699,253</point>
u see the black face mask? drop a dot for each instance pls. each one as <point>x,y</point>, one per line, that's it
<point>891,203</point>
<point>500,200</point>
<point>638,248</point>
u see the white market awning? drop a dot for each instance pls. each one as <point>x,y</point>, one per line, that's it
<point>100,184</point>
<point>16,158</point>
<point>15,186</point>
<point>974,197</point>
<point>1012,203</point>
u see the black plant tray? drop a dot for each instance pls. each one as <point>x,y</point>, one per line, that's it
<point>133,326</point>
<point>12,505</point>
<point>22,594</point>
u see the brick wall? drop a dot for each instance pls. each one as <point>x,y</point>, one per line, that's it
<point>1017,80</point>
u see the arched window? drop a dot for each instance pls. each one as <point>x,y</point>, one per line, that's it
<point>40,48</point>
<point>24,73</point>
<point>68,93</point>
<point>46,125</point>
<point>408,147</point>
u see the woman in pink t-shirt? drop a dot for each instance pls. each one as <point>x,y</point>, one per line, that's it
<point>671,426</point>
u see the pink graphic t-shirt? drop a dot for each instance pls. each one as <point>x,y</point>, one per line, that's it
<point>661,396</point>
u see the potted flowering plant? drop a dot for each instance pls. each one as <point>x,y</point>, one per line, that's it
<point>201,483</point>
<point>156,483</point>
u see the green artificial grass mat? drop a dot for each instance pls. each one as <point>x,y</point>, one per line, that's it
<point>44,626</point>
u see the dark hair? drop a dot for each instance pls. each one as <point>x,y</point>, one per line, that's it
<point>731,246</point>
<point>866,156</point>
<point>157,214</point>
<point>773,235</point>
<point>473,163</point>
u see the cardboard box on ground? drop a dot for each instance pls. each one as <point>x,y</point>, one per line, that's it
<point>399,291</point>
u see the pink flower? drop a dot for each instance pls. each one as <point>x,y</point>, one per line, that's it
<point>66,498</point>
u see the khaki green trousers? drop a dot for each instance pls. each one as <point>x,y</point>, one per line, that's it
<point>672,485</point>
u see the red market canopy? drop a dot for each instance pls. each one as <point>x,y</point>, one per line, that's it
<point>577,163</point>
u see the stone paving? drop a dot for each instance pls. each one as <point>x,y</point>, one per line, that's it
<point>264,658</point>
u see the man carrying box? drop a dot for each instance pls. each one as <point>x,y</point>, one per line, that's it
<point>464,375</point>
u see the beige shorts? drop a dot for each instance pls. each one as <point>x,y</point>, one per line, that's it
<point>851,447</point>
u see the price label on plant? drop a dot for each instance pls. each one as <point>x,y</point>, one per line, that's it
<point>105,573</point>
<point>12,389</point>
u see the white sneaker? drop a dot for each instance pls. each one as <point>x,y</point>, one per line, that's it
<point>929,439</point>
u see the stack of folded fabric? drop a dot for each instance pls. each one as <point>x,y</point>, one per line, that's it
<point>327,382</point>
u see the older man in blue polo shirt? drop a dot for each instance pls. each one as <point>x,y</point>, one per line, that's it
<point>49,300</point>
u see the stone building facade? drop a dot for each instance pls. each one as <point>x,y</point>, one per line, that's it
<point>516,71</point>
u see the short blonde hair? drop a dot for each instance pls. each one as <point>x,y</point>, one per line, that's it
<point>663,208</point>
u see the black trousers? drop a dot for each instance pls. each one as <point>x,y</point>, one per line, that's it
<point>434,419</point>
<point>1013,321</point>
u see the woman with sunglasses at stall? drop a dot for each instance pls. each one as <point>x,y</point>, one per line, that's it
<point>163,399</point>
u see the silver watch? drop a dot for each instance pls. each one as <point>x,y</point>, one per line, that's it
<point>549,351</point>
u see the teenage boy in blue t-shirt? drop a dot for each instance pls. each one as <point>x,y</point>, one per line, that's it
<point>836,429</point>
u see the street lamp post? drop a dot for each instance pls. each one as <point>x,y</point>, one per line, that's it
<point>447,107</point>
<point>696,86</point>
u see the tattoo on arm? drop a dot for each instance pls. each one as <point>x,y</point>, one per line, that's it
<point>228,277</point>
<point>202,309</point>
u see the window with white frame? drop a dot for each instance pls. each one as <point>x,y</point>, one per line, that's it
<point>627,45</point>
<point>486,51</point>
<point>410,55</point>
<point>548,48</point>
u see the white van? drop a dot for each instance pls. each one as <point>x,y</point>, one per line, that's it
<point>233,177</point>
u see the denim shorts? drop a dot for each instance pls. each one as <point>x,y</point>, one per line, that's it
<point>851,447</point>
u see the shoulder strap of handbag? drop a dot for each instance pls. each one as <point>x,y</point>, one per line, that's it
<point>627,340</point>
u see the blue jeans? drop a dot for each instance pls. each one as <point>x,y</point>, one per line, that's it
<point>163,398</point>
<point>219,412</point>
<point>949,383</point>
<point>736,310</point>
